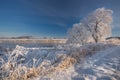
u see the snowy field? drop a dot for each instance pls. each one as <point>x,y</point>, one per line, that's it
<point>60,62</point>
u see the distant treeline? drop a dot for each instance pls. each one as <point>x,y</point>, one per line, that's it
<point>23,37</point>
<point>20,37</point>
<point>112,38</point>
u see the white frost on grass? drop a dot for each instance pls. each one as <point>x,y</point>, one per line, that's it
<point>104,64</point>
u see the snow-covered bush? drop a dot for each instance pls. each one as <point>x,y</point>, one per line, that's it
<point>78,34</point>
<point>94,28</point>
<point>26,63</point>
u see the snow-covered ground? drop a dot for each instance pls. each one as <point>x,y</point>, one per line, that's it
<point>104,65</point>
<point>88,62</point>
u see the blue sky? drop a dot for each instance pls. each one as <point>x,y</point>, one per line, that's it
<point>49,18</point>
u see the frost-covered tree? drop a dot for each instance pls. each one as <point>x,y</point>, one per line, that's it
<point>98,23</point>
<point>96,26</point>
<point>77,34</point>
